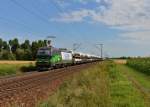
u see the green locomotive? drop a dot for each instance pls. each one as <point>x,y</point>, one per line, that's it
<point>50,57</point>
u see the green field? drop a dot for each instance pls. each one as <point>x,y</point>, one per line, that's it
<point>15,69</point>
<point>104,85</point>
<point>140,64</point>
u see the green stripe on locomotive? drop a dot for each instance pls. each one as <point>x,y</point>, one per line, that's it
<point>55,59</point>
<point>48,57</point>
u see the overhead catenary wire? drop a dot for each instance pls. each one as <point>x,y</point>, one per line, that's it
<point>36,6</point>
<point>30,11</point>
<point>15,2</point>
<point>54,4</point>
<point>20,23</point>
<point>60,9</point>
<point>42,18</point>
<point>15,22</point>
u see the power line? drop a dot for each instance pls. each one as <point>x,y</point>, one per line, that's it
<point>29,11</point>
<point>62,11</point>
<point>57,7</point>
<point>53,3</point>
<point>15,22</point>
<point>34,4</point>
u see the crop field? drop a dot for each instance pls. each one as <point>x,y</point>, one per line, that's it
<point>15,67</point>
<point>17,62</point>
<point>105,85</point>
<point>120,61</point>
<point>140,64</point>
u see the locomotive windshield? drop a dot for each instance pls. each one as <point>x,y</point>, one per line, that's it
<point>43,52</point>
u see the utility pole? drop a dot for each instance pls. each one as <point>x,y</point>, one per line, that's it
<point>101,49</point>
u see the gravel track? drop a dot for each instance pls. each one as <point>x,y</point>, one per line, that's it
<point>28,90</point>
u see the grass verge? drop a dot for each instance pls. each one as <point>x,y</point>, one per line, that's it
<point>104,85</point>
<point>140,80</point>
<point>141,77</point>
<point>123,93</point>
<point>86,89</point>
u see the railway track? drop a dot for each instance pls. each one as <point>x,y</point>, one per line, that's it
<point>27,90</point>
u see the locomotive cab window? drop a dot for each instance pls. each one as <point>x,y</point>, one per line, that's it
<point>43,52</point>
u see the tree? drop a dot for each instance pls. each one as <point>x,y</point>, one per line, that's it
<point>19,54</point>
<point>27,54</point>
<point>6,46</point>
<point>5,51</point>
<point>1,44</point>
<point>34,49</point>
<point>41,43</point>
<point>25,51</point>
<point>14,45</point>
<point>45,42</point>
<point>6,55</point>
<point>26,45</point>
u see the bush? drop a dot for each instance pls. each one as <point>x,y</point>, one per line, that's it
<point>7,55</point>
<point>28,68</point>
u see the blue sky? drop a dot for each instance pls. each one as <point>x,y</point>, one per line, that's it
<point>123,26</point>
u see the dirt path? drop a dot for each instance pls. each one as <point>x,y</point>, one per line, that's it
<point>144,91</point>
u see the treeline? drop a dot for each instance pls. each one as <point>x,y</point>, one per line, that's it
<point>13,50</point>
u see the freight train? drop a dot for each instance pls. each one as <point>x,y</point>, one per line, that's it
<point>50,57</point>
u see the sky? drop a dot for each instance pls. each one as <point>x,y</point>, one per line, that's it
<point>123,26</point>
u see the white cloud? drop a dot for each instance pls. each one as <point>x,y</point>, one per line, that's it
<point>67,2</point>
<point>139,37</point>
<point>62,3</point>
<point>87,1</point>
<point>123,14</point>
<point>82,1</point>
<point>130,16</point>
<point>76,16</point>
